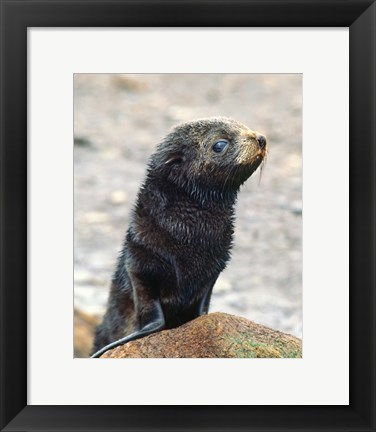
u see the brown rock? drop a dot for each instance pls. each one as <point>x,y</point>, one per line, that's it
<point>84,327</point>
<point>217,335</point>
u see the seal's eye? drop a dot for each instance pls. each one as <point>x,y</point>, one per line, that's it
<point>219,146</point>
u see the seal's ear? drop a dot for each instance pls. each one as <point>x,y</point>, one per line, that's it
<point>176,158</point>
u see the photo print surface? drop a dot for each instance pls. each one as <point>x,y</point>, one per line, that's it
<point>188,200</point>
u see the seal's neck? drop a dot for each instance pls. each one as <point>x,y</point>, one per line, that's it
<point>197,191</point>
<point>211,195</point>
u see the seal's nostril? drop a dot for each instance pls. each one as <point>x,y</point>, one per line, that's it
<point>261,140</point>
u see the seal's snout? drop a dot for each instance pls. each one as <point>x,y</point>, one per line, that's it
<point>262,141</point>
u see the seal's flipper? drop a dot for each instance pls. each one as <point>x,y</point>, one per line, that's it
<point>154,326</point>
<point>203,306</point>
<point>149,311</point>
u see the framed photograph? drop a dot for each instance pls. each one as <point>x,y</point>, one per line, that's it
<point>62,62</point>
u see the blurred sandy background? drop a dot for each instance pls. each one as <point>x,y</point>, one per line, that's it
<point>118,120</point>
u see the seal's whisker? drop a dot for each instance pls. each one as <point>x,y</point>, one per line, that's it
<point>226,180</point>
<point>262,166</point>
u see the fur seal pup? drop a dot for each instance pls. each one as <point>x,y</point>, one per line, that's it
<point>180,235</point>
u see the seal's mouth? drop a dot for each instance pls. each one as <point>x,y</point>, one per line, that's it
<point>258,161</point>
<point>259,158</point>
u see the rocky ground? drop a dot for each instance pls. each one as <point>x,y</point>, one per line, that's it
<point>216,335</point>
<point>118,119</point>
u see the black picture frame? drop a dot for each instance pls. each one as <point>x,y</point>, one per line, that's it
<point>16,17</point>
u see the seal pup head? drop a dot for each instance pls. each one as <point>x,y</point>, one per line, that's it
<point>215,154</point>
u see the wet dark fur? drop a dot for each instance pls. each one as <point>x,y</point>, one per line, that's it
<point>181,230</point>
